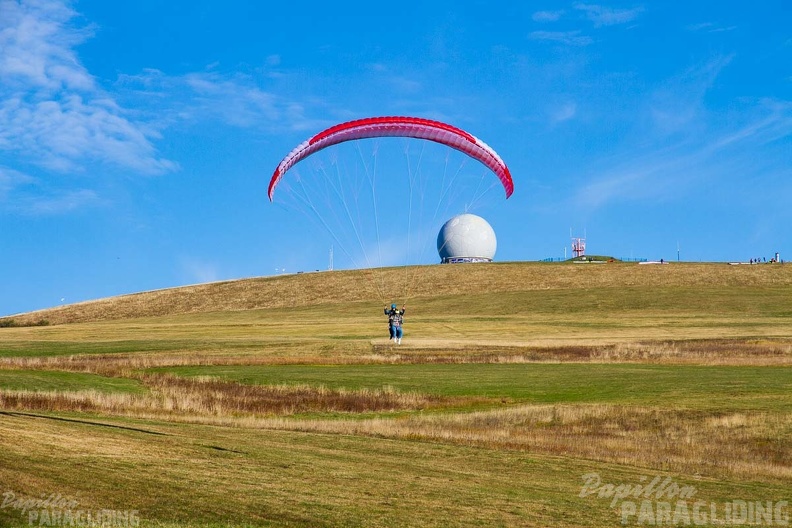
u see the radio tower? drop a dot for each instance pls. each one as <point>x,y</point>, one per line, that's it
<point>578,246</point>
<point>330,267</point>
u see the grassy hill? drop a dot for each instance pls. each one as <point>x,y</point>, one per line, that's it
<point>419,283</point>
<point>280,401</point>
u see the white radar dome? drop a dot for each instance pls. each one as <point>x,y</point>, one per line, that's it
<point>466,238</point>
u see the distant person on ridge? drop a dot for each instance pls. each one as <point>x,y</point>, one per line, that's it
<point>395,320</point>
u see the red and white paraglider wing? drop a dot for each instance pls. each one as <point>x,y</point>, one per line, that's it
<point>402,127</point>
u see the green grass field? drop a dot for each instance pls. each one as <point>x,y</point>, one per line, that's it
<point>280,402</point>
<point>53,380</point>
<point>679,386</point>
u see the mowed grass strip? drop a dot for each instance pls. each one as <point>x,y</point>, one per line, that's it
<point>195,475</point>
<point>746,444</point>
<point>82,346</point>
<point>52,380</point>
<point>683,386</point>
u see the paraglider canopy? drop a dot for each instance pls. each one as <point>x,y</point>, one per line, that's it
<point>414,127</point>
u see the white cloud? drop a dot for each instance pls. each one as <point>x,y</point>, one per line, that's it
<point>60,203</point>
<point>565,112</point>
<point>236,100</point>
<point>663,173</point>
<point>232,99</point>
<point>401,83</point>
<point>571,38</point>
<point>547,16</point>
<point>710,27</point>
<point>679,102</point>
<point>198,271</point>
<point>774,124</point>
<point>405,85</point>
<point>52,111</point>
<point>635,180</point>
<point>62,134</point>
<point>37,46</point>
<point>11,179</point>
<point>24,194</point>
<point>607,16</point>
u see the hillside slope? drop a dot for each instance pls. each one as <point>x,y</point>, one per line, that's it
<point>401,284</point>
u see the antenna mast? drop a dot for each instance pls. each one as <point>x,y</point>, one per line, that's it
<point>578,246</point>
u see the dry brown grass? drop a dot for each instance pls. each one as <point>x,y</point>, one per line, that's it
<point>695,442</point>
<point>723,444</point>
<point>700,352</point>
<point>692,442</point>
<point>313,289</point>
<point>173,396</point>
<point>130,365</point>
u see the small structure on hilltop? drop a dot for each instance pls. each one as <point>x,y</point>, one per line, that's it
<point>466,238</point>
<point>578,247</point>
<point>579,255</point>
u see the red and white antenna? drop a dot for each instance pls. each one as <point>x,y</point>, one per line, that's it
<point>578,245</point>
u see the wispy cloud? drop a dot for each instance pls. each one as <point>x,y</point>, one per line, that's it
<point>63,134</point>
<point>38,46</point>
<point>571,38</point>
<point>235,99</point>
<point>10,180</point>
<point>598,14</point>
<point>23,194</point>
<point>52,111</point>
<point>652,176</point>
<point>547,16</point>
<point>678,143</point>
<point>562,113</point>
<point>679,101</point>
<point>401,83</point>
<point>663,173</point>
<point>773,123</point>
<point>61,203</point>
<point>607,16</point>
<point>198,271</point>
<point>710,27</point>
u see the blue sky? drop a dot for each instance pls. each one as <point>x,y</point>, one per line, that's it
<point>137,138</point>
